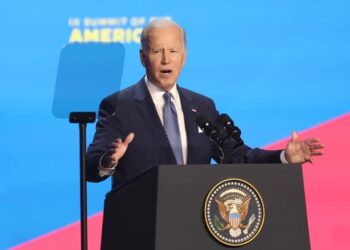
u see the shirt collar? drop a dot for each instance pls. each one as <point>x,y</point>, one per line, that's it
<point>157,93</point>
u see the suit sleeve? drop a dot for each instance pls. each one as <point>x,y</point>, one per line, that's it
<point>245,154</point>
<point>108,128</point>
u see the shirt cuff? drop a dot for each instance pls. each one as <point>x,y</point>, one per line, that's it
<point>283,157</point>
<point>103,171</point>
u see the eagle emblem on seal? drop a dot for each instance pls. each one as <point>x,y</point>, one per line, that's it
<point>234,212</point>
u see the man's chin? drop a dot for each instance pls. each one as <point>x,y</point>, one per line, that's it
<point>166,85</point>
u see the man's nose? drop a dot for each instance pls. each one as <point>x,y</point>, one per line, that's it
<point>165,57</point>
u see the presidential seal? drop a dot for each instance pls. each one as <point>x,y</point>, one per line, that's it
<point>234,212</point>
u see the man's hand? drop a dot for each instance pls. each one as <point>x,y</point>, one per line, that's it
<point>116,151</point>
<point>302,151</point>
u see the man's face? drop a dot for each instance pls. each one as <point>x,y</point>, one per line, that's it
<point>164,56</point>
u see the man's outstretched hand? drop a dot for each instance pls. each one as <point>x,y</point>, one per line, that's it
<point>116,151</point>
<point>298,151</point>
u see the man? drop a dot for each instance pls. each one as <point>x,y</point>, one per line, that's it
<point>153,121</point>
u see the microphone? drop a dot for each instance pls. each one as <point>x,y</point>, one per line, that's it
<point>213,133</point>
<point>227,123</point>
<point>210,130</point>
<point>233,132</point>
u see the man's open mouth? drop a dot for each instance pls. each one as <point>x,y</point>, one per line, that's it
<point>166,71</point>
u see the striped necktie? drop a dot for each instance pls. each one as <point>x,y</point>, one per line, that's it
<point>171,126</point>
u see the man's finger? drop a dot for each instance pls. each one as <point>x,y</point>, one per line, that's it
<point>312,141</point>
<point>309,160</point>
<point>117,140</point>
<point>113,146</point>
<point>112,150</point>
<point>129,139</point>
<point>294,136</point>
<point>317,146</point>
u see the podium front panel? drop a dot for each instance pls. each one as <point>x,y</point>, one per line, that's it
<point>173,198</point>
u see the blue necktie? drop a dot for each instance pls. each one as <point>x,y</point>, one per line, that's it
<point>171,126</point>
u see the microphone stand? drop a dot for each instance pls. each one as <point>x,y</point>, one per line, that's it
<point>217,144</point>
<point>83,118</point>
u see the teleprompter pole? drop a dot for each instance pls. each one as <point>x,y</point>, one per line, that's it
<point>83,118</point>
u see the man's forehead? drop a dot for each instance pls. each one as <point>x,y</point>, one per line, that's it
<point>166,36</point>
<point>165,30</point>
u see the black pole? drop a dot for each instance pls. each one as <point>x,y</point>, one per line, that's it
<point>83,196</point>
<point>83,118</point>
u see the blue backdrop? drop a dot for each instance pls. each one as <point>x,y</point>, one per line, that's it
<point>274,66</point>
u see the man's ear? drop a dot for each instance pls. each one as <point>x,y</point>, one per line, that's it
<point>185,57</point>
<point>142,57</point>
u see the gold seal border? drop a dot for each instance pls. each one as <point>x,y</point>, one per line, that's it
<point>262,205</point>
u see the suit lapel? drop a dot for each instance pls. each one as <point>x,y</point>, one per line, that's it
<point>189,109</point>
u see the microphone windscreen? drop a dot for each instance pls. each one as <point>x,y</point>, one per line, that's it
<point>201,120</point>
<point>225,120</point>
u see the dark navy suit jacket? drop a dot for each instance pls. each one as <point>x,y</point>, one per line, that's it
<point>132,110</point>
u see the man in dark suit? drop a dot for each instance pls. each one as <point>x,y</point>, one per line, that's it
<point>153,121</point>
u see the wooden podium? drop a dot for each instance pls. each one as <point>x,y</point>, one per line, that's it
<point>163,209</point>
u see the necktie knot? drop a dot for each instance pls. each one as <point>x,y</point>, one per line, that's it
<point>167,97</point>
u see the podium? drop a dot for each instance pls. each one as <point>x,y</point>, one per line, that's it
<point>163,209</point>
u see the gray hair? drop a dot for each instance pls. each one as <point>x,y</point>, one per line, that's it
<point>159,23</point>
